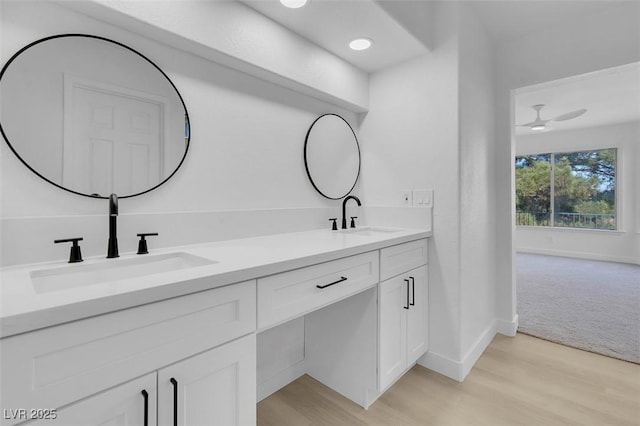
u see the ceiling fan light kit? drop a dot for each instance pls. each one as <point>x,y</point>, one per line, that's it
<point>293,4</point>
<point>539,124</point>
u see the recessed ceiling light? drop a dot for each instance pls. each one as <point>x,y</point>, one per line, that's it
<point>538,127</point>
<point>293,4</point>
<point>361,44</point>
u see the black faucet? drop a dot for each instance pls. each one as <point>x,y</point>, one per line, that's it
<point>344,208</point>
<point>112,249</point>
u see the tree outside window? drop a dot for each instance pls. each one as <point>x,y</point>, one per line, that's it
<point>572,189</point>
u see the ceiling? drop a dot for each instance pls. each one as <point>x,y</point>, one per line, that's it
<point>610,96</point>
<point>401,29</point>
<point>509,19</point>
<point>332,24</point>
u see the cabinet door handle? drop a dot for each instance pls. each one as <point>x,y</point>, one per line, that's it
<point>333,283</point>
<point>174,382</point>
<point>145,395</point>
<point>413,291</point>
<point>407,281</point>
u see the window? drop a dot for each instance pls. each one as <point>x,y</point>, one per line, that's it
<point>567,189</point>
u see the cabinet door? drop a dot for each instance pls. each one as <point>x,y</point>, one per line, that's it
<point>417,315</point>
<point>217,387</point>
<point>123,405</point>
<point>392,328</point>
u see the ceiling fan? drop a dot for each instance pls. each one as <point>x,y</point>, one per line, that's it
<point>540,124</point>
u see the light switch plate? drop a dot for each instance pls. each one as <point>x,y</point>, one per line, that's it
<point>423,197</point>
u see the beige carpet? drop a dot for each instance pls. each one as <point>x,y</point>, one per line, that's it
<point>585,304</point>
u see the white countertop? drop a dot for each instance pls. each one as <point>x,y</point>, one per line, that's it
<point>22,309</point>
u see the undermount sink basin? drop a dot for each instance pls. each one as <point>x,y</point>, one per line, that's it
<point>369,231</point>
<point>78,275</point>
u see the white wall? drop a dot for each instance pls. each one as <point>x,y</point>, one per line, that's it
<point>618,246</point>
<point>411,139</point>
<point>477,193</point>
<point>583,44</point>
<point>430,124</point>
<point>244,174</point>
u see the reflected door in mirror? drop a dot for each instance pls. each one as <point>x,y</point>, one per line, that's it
<point>114,143</point>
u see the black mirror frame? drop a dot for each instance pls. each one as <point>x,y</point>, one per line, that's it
<point>306,165</point>
<point>186,113</point>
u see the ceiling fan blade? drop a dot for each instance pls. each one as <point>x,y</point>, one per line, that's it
<point>570,115</point>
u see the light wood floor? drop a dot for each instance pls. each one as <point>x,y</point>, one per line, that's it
<point>517,381</point>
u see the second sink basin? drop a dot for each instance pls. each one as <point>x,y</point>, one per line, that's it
<point>75,275</point>
<point>369,231</point>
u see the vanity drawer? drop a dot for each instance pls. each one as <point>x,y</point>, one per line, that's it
<point>52,367</point>
<point>398,259</point>
<point>288,295</point>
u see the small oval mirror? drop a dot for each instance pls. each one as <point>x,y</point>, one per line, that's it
<point>332,156</point>
<point>92,116</point>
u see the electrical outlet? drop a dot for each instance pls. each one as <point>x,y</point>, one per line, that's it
<point>407,198</point>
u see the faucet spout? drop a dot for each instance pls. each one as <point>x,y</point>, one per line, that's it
<point>112,249</point>
<point>344,208</point>
<point>113,205</point>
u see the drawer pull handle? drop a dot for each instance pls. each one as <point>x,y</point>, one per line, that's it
<point>407,307</point>
<point>413,291</point>
<point>145,395</point>
<point>333,283</point>
<point>174,382</point>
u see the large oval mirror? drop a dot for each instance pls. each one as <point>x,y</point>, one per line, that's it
<point>92,116</point>
<point>332,156</point>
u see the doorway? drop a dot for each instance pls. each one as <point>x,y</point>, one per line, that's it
<point>575,214</point>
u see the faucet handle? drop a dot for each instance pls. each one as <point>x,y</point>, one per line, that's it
<point>334,227</point>
<point>142,244</point>
<point>353,221</point>
<point>75,255</point>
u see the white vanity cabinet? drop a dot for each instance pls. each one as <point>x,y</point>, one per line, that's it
<point>417,315</point>
<point>359,335</point>
<point>361,322</point>
<point>215,388</point>
<point>58,366</point>
<point>402,310</point>
<point>130,404</point>
<point>288,295</point>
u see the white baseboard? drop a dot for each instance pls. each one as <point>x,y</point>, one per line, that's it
<point>478,348</point>
<point>458,370</point>
<point>443,365</point>
<point>508,328</point>
<point>280,380</point>
<point>579,255</point>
